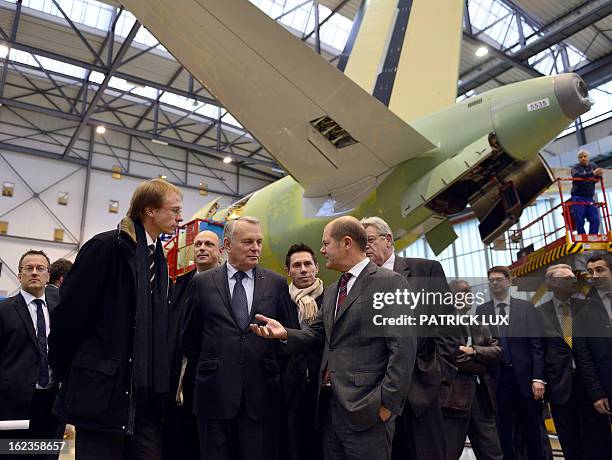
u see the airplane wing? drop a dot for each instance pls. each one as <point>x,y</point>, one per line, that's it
<point>331,136</point>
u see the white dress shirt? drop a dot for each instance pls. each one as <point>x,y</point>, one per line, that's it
<point>356,271</point>
<point>497,302</point>
<point>390,262</point>
<point>248,282</point>
<point>29,300</point>
<point>150,240</point>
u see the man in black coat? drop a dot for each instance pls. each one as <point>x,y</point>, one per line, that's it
<point>419,431</point>
<point>468,404</point>
<point>57,271</point>
<point>27,386</point>
<point>581,429</point>
<point>301,383</point>
<point>365,371</point>
<point>109,344</point>
<point>181,434</point>
<point>593,347</point>
<point>520,378</point>
<point>238,381</point>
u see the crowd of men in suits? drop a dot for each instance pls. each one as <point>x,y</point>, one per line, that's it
<point>230,362</point>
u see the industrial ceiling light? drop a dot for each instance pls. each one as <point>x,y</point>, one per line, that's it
<point>159,141</point>
<point>100,129</point>
<point>4,51</point>
<point>227,160</point>
<point>482,51</point>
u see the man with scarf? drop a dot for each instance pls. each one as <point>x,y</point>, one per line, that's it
<point>306,291</point>
<point>108,345</point>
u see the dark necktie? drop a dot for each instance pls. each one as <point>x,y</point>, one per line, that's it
<point>41,338</point>
<point>240,305</point>
<point>342,292</point>
<point>151,265</point>
<point>503,335</point>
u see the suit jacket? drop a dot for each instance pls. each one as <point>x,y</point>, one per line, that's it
<point>178,302</point>
<point>592,348</point>
<point>365,372</point>
<point>232,360</point>
<point>525,342</point>
<point>488,354</point>
<point>19,358</point>
<point>437,348</point>
<point>52,294</point>
<point>558,354</point>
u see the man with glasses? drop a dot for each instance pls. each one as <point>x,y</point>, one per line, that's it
<point>583,432</point>
<point>109,343</point>
<point>27,385</point>
<point>419,430</point>
<point>519,379</point>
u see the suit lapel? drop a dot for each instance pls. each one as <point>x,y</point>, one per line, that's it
<point>551,316</point>
<point>220,278</point>
<point>329,306</point>
<point>260,280</point>
<point>401,266</point>
<point>24,314</point>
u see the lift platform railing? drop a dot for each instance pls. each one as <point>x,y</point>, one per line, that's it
<point>549,236</point>
<point>602,209</point>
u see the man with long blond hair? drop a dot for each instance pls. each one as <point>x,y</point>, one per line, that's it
<point>109,345</point>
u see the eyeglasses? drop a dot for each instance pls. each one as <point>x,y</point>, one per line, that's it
<point>176,211</point>
<point>31,268</point>
<point>371,239</point>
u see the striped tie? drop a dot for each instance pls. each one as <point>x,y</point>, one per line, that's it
<point>566,324</point>
<point>152,265</point>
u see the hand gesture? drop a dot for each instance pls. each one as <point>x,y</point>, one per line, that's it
<point>538,389</point>
<point>602,406</point>
<point>271,328</point>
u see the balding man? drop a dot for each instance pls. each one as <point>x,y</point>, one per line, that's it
<point>238,388</point>
<point>364,377</point>
<point>181,429</point>
<point>420,433</point>
<point>583,432</point>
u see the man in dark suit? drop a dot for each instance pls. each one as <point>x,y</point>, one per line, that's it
<point>581,429</point>
<point>181,434</point>
<point>593,347</point>
<point>301,384</point>
<point>468,405</point>
<point>108,341</point>
<point>238,375</point>
<point>364,374</point>
<point>520,379</point>
<point>57,271</point>
<point>27,385</point>
<point>418,434</point>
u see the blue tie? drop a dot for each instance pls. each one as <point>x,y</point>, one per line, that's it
<point>41,338</point>
<point>240,305</point>
<point>503,335</point>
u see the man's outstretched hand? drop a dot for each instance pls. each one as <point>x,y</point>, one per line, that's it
<point>271,329</point>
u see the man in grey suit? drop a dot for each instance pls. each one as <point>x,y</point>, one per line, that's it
<point>420,433</point>
<point>364,377</point>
